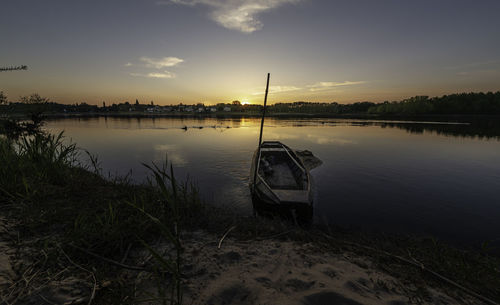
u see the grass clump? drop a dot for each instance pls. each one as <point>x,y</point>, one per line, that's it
<point>68,216</point>
<point>32,162</point>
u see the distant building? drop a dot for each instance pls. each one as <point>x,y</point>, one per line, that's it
<point>227,109</point>
<point>213,109</point>
<point>188,109</point>
<point>201,109</point>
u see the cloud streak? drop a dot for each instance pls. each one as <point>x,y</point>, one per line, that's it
<point>164,74</point>
<point>319,86</point>
<point>240,15</point>
<point>161,62</point>
<point>474,65</point>
<point>278,89</point>
<point>330,85</point>
<point>156,63</point>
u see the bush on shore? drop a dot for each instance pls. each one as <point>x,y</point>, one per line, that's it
<point>55,197</point>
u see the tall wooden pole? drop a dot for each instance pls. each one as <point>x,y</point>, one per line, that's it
<point>260,136</point>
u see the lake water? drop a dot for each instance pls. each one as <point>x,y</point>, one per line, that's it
<point>435,179</point>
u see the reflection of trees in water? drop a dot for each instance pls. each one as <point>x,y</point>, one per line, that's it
<point>480,129</point>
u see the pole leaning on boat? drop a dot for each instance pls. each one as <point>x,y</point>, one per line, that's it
<point>260,136</point>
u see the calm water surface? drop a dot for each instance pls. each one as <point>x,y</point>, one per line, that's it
<point>424,178</point>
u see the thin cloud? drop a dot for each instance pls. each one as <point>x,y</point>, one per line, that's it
<point>476,69</point>
<point>319,86</point>
<point>165,74</point>
<point>240,15</point>
<point>329,85</point>
<point>474,65</point>
<point>156,63</point>
<point>161,62</point>
<point>278,89</point>
<point>478,73</point>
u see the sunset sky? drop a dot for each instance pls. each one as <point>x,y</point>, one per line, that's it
<point>214,51</point>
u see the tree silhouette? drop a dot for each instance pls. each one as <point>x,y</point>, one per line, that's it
<point>3,98</point>
<point>14,68</point>
<point>37,106</point>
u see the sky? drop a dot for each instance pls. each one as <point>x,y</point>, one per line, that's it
<point>211,51</point>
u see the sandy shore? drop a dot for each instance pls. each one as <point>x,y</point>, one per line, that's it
<point>6,251</point>
<point>265,271</point>
<point>287,272</point>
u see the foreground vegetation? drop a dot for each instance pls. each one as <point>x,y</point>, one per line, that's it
<point>64,209</point>
<point>65,219</point>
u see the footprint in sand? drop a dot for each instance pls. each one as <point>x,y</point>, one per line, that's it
<point>235,294</point>
<point>328,298</point>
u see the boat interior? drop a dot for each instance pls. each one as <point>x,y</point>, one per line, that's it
<point>280,171</point>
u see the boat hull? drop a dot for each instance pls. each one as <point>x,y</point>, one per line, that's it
<point>264,195</point>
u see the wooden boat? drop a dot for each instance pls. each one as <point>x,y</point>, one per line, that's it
<point>281,179</point>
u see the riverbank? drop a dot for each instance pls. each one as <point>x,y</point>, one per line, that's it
<point>261,270</point>
<point>72,236</point>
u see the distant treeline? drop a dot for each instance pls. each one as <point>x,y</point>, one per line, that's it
<point>464,103</point>
<point>454,104</point>
<point>308,107</point>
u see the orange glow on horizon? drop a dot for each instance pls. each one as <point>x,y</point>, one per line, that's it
<point>245,101</point>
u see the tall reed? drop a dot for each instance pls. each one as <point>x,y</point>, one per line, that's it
<point>172,200</point>
<point>34,160</point>
<point>80,209</point>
